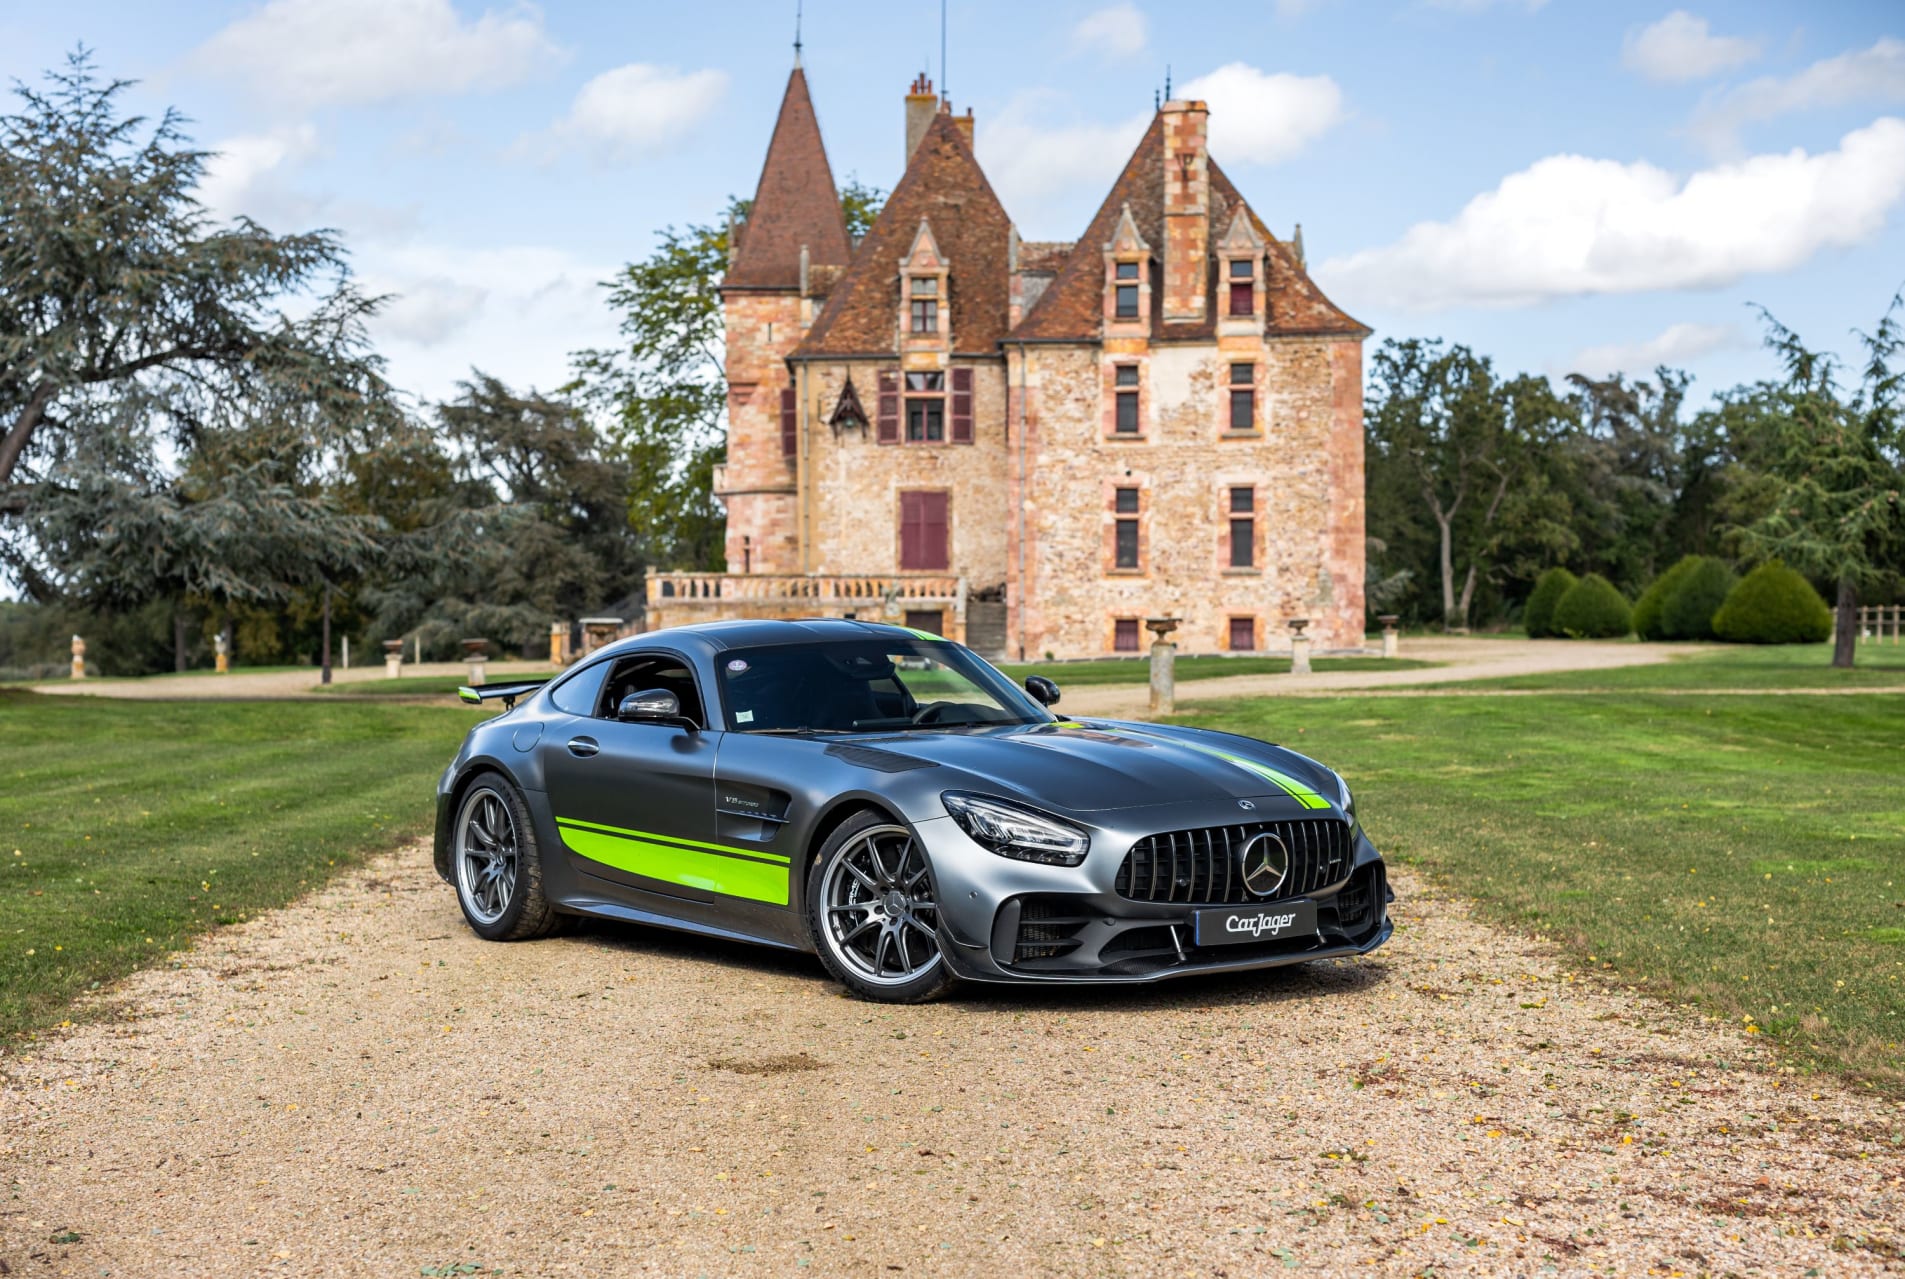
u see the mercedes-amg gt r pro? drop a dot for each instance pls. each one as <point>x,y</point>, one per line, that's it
<point>890,801</point>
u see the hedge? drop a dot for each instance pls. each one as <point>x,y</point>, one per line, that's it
<point>1773,605</point>
<point>1650,610</point>
<point>1592,609</point>
<point>1691,606</point>
<point>1538,616</point>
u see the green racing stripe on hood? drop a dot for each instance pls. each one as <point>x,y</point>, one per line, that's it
<point>732,872</point>
<point>1296,790</point>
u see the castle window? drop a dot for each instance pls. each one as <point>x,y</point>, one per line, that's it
<point>1124,635</point>
<point>1243,527</point>
<point>1125,532</point>
<point>1126,378</point>
<point>1243,634</point>
<point>1243,287</point>
<point>925,408</point>
<point>1243,397</point>
<point>925,305</point>
<point>1125,295</point>
<point>924,529</point>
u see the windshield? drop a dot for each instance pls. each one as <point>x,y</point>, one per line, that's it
<point>872,685</point>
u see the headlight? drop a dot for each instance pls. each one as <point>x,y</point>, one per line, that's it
<point>1014,831</point>
<point>1349,800</point>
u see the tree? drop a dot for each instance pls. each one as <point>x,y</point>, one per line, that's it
<point>1465,446</point>
<point>1830,468</point>
<point>114,286</point>
<point>664,391</point>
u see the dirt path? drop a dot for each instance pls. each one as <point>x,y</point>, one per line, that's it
<point>1459,658</point>
<point>357,1086</point>
<point>244,685</point>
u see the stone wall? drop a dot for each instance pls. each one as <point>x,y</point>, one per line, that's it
<point>1304,465</point>
<point>757,484</point>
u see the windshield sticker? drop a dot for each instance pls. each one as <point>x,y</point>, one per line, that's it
<point>744,717</point>
<point>736,666</point>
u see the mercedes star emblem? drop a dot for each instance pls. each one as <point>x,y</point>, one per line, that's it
<point>1266,864</point>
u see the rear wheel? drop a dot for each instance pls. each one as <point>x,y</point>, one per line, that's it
<point>872,913</point>
<point>498,866</point>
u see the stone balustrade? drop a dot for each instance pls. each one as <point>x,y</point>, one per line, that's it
<point>675,599</point>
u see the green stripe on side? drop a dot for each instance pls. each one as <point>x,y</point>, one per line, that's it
<point>603,828</point>
<point>734,876</point>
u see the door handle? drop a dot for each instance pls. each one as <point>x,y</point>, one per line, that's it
<point>583,747</point>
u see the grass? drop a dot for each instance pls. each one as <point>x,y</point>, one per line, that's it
<point>1138,670</point>
<point>1732,666</point>
<point>127,828</point>
<point>1744,853</point>
<point>420,685</point>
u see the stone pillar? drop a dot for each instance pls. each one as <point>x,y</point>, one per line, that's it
<point>393,658</point>
<point>1163,665</point>
<point>558,641</point>
<point>1299,646</point>
<point>476,652</point>
<point>79,658</point>
<point>1391,638</point>
<point>221,654</point>
<point>345,642</point>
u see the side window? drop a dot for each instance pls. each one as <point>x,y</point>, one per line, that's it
<point>639,674</point>
<point>577,695</point>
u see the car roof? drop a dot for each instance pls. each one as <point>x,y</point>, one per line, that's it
<point>763,632</point>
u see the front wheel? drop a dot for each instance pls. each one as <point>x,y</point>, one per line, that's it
<point>498,866</point>
<point>871,910</point>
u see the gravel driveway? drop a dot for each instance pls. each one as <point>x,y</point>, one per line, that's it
<point>355,1085</point>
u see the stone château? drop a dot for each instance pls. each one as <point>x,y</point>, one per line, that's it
<point>1033,446</point>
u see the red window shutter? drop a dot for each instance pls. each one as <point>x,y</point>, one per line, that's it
<point>934,532</point>
<point>889,412</point>
<point>909,531</point>
<point>962,406</point>
<point>790,434</point>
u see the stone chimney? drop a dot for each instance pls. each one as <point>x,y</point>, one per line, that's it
<point>964,123</point>
<point>1186,210</point>
<point>922,104</point>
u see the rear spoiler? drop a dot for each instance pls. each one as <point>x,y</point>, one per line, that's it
<point>505,693</point>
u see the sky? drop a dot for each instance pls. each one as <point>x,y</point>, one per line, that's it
<point>1563,185</point>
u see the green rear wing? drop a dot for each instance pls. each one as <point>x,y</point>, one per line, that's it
<point>504,693</point>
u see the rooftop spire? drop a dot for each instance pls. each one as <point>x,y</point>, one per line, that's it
<point>797,4</point>
<point>794,205</point>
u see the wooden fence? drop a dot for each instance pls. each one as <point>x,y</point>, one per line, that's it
<point>1881,623</point>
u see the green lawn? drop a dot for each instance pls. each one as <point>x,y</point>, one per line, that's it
<point>1138,670</point>
<point>1727,667</point>
<point>1747,853</point>
<point>128,827</point>
<point>420,685</point>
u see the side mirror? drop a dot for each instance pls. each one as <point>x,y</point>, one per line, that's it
<point>656,706</point>
<point>1043,690</point>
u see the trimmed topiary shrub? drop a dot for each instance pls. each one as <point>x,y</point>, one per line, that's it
<point>1592,609</point>
<point>1650,609</point>
<point>1688,614</point>
<point>1538,617</point>
<point>1773,605</point>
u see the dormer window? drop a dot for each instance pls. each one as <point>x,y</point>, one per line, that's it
<point>925,304</point>
<point>1243,288</point>
<point>1126,301</point>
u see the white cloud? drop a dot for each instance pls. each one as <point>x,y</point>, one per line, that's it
<point>306,53</point>
<point>1116,31</point>
<point>1478,6</point>
<point>1682,47</point>
<point>1876,74</point>
<point>632,110</point>
<point>1297,8</point>
<point>1264,119</point>
<point>1031,161</point>
<point>1675,346</point>
<point>517,311</point>
<point>249,175</point>
<point>1570,225</point>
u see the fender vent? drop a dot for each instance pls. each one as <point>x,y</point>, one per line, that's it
<point>878,760</point>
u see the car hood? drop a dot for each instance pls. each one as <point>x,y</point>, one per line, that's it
<point>1107,764</point>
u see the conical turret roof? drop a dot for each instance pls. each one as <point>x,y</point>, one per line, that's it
<point>794,205</point>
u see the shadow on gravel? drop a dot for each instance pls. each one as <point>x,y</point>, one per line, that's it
<point>1322,979</point>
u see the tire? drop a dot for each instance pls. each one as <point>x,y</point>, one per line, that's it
<point>496,864</point>
<point>872,913</point>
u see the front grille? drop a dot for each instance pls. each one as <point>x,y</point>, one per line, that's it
<point>1046,930</point>
<point>1202,865</point>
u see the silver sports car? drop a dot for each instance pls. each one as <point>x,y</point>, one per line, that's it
<point>889,801</point>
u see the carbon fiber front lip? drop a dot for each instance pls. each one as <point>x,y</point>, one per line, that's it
<point>959,959</point>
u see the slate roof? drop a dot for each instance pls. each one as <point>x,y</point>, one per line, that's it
<point>794,204</point>
<point>1072,307</point>
<point>944,185</point>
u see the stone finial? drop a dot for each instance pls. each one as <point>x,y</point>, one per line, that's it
<point>1296,247</point>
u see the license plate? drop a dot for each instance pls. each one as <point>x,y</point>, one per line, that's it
<point>1277,922</point>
